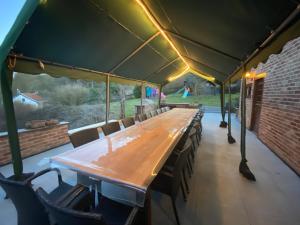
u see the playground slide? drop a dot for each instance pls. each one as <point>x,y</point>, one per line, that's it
<point>185,94</point>
<point>180,90</point>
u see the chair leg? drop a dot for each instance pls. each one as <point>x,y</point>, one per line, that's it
<point>175,211</point>
<point>185,182</point>
<point>189,170</point>
<point>190,165</point>
<point>183,192</point>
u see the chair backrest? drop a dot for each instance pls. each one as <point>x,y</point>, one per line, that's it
<point>159,111</point>
<point>111,128</point>
<point>84,136</point>
<point>148,115</point>
<point>127,122</point>
<point>29,208</point>
<point>142,117</point>
<point>179,165</point>
<point>184,137</point>
<point>65,216</point>
<point>153,113</point>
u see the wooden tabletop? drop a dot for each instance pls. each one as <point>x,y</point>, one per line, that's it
<point>131,157</point>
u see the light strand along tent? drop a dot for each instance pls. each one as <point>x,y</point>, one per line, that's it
<point>136,41</point>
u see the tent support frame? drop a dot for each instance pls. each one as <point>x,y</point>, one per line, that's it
<point>231,140</point>
<point>11,124</point>
<point>142,97</point>
<point>223,124</point>
<point>196,43</point>
<point>107,108</point>
<point>134,52</point>
<point>243,168</point>
<point>159,97</point>
<point>203,64</point>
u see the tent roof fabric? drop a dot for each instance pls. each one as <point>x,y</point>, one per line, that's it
<point>214,37</point>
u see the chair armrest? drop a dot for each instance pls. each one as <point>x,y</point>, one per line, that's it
<point>132,216</point>
<point>166,174</point>
<point>30,179</point>
<point>79,198</point>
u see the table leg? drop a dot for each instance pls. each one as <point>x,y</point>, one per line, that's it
<point>148,212</point>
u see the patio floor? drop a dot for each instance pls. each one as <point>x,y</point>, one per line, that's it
<point>219,194</point>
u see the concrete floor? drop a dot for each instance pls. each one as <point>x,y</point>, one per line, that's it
<point>219,194</point>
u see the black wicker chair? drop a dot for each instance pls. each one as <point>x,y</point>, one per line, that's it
<point>84,136</point>
<point>107,213</point>
<point>142,117</point>
<point>111,128</point>
<point>148,115</point>
<point>153,113</point>
<point>29,208</point>
<point>127,122</point>
<point>168,181</point>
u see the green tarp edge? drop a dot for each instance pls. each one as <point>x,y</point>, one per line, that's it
<point>34,67</point>
<point>275,47</point>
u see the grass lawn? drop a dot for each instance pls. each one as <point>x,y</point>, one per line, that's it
<point>208,100</point>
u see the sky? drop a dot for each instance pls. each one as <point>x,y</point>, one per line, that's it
<point>9,9</point>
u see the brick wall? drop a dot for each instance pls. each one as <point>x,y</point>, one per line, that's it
<point>35,141</point>
<point>279,124</point>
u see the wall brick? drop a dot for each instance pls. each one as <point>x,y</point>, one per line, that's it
<point>279,124</point>
<point>35,141</point>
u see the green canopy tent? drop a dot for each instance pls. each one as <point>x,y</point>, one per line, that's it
<point>142,41</point>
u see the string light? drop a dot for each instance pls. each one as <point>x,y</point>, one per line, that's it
<point>253,75</point>
<point>175,77</point>
<point>206,77</point>
<point>141,4</point>
<point>188,68</point>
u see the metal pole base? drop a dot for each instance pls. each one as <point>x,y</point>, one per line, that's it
<point>223,124</point>
<point>231,140</point>
<point>245,171</point>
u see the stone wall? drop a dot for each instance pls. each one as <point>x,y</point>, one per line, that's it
<point>35,141</point>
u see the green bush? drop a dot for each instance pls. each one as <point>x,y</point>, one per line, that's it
<point>70,95</point>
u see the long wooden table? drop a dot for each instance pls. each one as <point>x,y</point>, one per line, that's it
<point>132,157</point>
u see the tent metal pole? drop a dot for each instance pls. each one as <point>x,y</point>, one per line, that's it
<point>11,124</point>
<point>203,64</point>
<point>231,140</point>
<point>142,96</point>
<point>162,67</point>
<point>223,124</point>
<point>243,168</point>
<point>243,120</point>
<point>134,52</point>
<point>159,97</point>
<point>107,99</point>
<point>179,36</point>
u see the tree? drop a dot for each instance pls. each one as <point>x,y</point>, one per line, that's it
<point>137,91</point>
<point>122,100</point>
<point>70,94</point>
